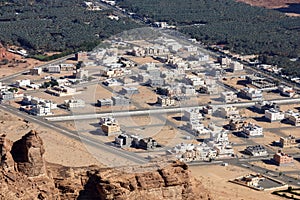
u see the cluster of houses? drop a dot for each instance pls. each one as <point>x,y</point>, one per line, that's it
<point>125,140</point>
<point>37,106</point>
<point>217,146</point>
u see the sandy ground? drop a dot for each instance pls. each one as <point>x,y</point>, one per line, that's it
<point>215,179</point>
<point>270,3</point>
<point>59,149</point>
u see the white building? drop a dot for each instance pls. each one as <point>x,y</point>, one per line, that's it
<point>236,66</point>
<point>286,90</point>
<point>189,90</point>
<point>274,115</point>
<point>229,97</point>
<point>252,94</point>
<point>74,103</point>
<point>253,130</point>
<point>192,115</point>
<point>22,83</point>
<point>228,112</point>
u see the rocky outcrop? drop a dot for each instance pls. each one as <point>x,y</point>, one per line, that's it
<point>23,170</point>
<point>28,154</point>
<point>171,182</point>
<point>7,162</point>
<point>25,175</point>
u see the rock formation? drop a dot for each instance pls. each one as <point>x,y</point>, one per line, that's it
<point>25,175</point>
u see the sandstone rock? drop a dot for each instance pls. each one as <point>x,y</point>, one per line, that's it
<point>7,162</point>
<point>34,179</point>
<point>28,154</point>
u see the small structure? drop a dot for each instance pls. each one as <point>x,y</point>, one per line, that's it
<point>147,143</point>
<point>253,130</point>
<point>229,97</point>
<point>192,115</point>
<point>81,74</point>
<point>259,182</point>
<point>274,115</point>
<point>120,101</point>
<point>286,142</point>
<point>257,150</point>
<point>129,90</point>
<point>262,106</point>
<point>251,93</point>
<point>6,95</point>
<point>104,102</point>
<point>123,140</point>
<point>236,66</point>
<point>74,103</point>
<point>188,90</point>
<point>286,90</point>
<point>207,110</point>
<point>228,112</point>
<point>35,71</point>
<point>292,117</point>
<point>282,159</point>
<point>237,124</point>
<point>165,101</point>
<point>61,91</point>
<point>110,126</point>
<point>53,69</point>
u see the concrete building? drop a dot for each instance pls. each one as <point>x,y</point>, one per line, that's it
<point>123,140</point>
<point>286,91</point>
<point>120,101</point>
<point>262,106</point>
<point>66,67</point>
<point>287,142</point>
<point>194,80</point>
<point>192,115</point>
<point>282,159</point>
<point>237,124</point>
<point>274,115</point>
<point>81,74</point>
<point>252,94</point>
<point>6,95</point>
<point>228,112</point>
<point>207,110</point>
<point>40,110</point>
<point>23,83</point>
<point>165,101</point>
<point>197,128</point>
<point>191,152</point>
<point>74,103</point>
<point>147,143</point>
<point>257,150</point>
<point>224,61</point>
<point>61,91</point>
<point>53,69</point>
<point>104,102</point>
<point>156,81</point>
<point>110,125</point>
<point>253,130</point>
<point>261,82</point>
<point>229,97</point>
<point>220,142</point>
<point>292,117</point>
<point>129,91</point>
<point>188,90</point>
<point>236,66</point>
<point>35,71</point>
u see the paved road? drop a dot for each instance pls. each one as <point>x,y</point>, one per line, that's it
<point>74,135</point>
<point>158,110</point>
<point>12,76</point>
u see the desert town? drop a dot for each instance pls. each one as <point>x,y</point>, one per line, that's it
<point>159,98</point>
